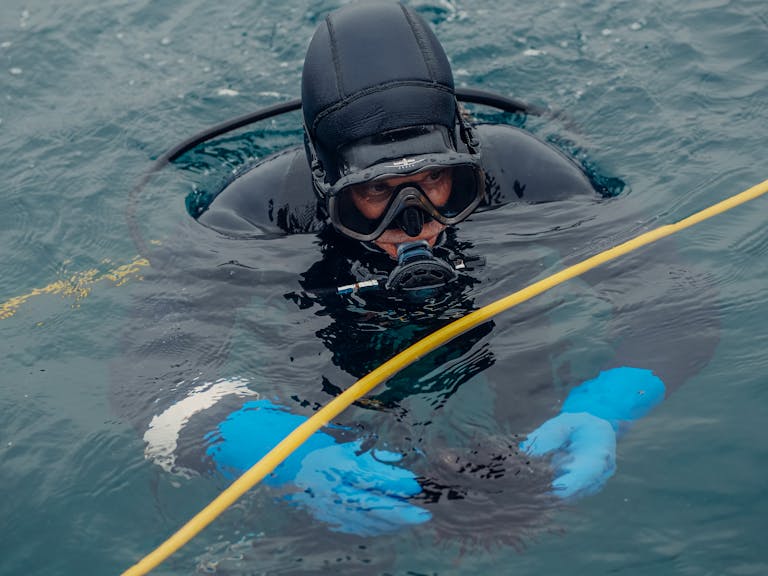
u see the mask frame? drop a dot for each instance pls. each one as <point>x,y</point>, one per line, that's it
<point>466,172</point>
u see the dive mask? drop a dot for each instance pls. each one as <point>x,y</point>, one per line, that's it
<point>388,180</point>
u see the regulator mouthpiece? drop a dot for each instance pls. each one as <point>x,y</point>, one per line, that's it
<point>418,269</point>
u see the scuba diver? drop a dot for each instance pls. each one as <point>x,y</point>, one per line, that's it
<point>391,164</point>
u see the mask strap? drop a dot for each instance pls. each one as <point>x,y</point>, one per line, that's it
<point>318,172</point>
<point>467,132</point>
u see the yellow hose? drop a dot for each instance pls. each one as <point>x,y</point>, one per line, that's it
<point>408,356</point>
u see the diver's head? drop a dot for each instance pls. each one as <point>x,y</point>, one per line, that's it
<point>392,159</point>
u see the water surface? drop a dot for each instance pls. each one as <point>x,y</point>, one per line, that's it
<point>672,98</point>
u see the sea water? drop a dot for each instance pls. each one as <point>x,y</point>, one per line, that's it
<point>670,97</point>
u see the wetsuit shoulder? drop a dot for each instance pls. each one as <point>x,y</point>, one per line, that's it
<point>521,168</point>
<point>276,196</point>
<point>273,196</point>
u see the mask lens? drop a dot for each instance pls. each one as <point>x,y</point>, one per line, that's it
<point>362,208</point>
<point>465,190</point>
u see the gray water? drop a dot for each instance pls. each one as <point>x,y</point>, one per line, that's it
<point>671,97</point>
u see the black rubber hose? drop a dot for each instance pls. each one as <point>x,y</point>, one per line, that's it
<point>470,95</point>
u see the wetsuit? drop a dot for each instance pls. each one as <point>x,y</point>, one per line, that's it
<point>175,382</point>
<point>522,172</point>
<point>237,333</point>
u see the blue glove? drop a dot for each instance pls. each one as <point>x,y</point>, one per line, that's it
<point>354,492</point>
<point>582,438</point>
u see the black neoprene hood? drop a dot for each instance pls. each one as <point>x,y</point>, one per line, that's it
<point>372,67</point>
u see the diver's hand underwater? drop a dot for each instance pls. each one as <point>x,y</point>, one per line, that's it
<point>582,439</point>
<point>352,491</point>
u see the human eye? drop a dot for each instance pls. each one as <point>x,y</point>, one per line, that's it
<point>377,190</point>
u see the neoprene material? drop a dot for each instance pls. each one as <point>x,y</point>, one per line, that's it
<point>581,440</point>
<point>372,67</point>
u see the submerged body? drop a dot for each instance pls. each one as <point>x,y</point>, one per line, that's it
<point>484,433</point>
<point>203,420</point>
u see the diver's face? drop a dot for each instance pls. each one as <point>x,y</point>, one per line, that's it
<point>372,199</point>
